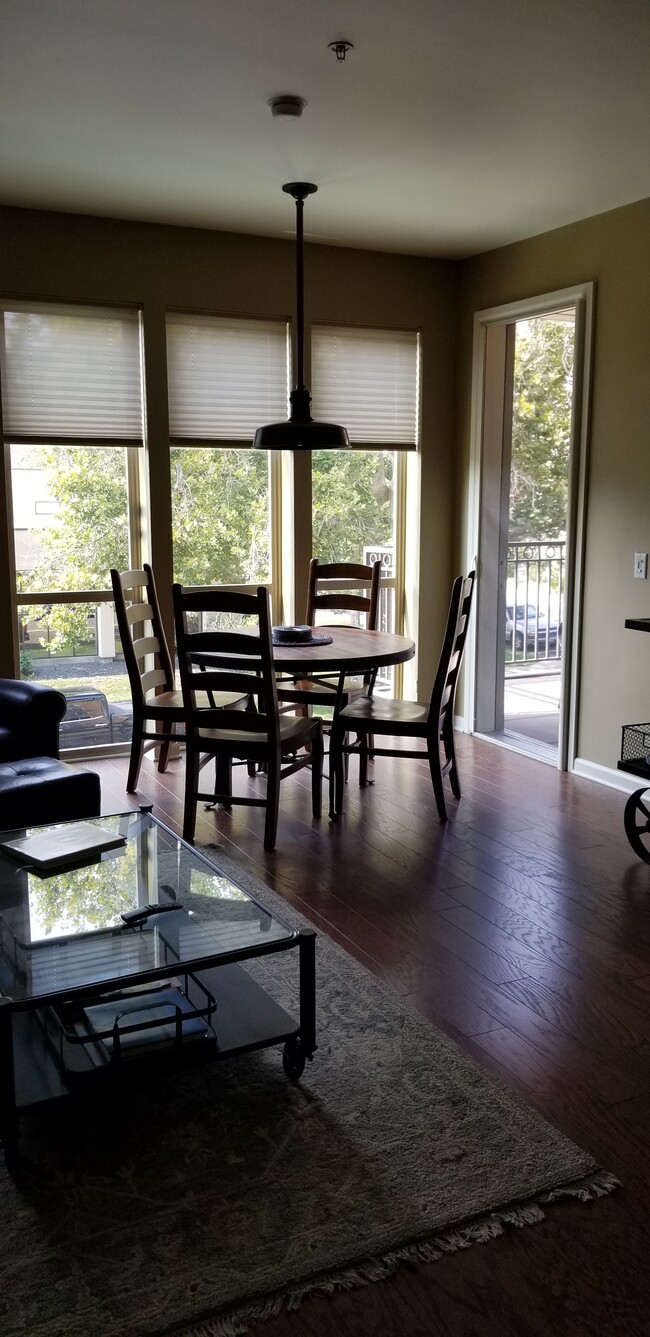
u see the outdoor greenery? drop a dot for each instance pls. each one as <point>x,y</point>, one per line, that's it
<point>352,503</point>
<point>87,536</point>
<point>220,520</point>
<point>541,427</point>
<point>220,516</point>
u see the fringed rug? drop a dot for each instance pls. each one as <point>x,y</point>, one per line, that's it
<point>212,1198</point>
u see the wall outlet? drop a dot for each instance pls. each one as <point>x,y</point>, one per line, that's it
<point>640,565</point>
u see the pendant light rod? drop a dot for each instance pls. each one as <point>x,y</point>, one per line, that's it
<point>300,190</point>
<point>300,431</point>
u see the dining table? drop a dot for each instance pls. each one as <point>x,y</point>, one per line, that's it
<point>349,650</point>
<point>334,651</point>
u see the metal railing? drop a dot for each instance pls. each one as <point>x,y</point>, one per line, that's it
<point>535,589</point>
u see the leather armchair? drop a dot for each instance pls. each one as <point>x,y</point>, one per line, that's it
<point>29,719</point>
<point>35,786</point>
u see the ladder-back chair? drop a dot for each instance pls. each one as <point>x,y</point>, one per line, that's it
<point>240,661</point>
<point>158,719</point>
<point>369,717</point>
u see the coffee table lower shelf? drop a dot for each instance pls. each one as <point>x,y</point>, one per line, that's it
<point>247,1018</point>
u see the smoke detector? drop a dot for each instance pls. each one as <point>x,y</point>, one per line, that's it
<point>287,106</point>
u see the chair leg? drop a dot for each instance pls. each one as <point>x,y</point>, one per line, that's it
<point>272,802</point>
<point>135,762</point>
<point>436,778</point>
<point>363,760</point>
<point>223,778</point>
<point>337,771</point>
<point>191,787</point>
<point>163,755</point>
<point>317,750</point>
<point>450,756</point>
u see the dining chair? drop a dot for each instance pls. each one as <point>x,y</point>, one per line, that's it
<point>238,660</point>
<point>371,716</point>
<point>335,586</point>
<point>150,668</point>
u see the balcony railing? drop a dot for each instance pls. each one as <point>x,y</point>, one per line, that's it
<point>535,588</point>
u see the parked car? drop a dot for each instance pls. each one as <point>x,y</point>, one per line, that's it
<point>529,628</point>
<point>92,719</point>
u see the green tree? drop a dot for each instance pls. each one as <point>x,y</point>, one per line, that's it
<point>220,519</point>
<point>541,427</point>
<point>88,535</point>
<point>220,516</point>
<point>352,503</point>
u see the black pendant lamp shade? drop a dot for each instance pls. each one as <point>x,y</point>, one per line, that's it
<point>300,432</point>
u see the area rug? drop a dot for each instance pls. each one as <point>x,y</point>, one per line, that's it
<point>212,1198</point>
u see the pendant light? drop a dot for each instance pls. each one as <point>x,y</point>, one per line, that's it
<point>300,432</point>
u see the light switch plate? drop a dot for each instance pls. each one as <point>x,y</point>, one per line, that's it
<point>640,565</point>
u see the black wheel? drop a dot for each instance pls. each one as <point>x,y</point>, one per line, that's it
<point>293,1060</point>
<point>637,822</point>
<point>519,640</point>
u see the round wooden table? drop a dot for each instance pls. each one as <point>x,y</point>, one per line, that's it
<point>352,650</point>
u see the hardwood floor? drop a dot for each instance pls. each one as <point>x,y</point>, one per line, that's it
<point>522,929</point>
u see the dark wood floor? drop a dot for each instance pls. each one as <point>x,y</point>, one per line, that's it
<point>522,929</point>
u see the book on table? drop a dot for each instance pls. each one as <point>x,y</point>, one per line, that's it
<point>61,845</point>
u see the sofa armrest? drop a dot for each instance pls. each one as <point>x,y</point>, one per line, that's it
<point>30,714</point>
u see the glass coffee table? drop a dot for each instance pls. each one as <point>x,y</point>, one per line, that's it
<point>134,956</point>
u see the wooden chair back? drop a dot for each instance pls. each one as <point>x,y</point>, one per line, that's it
<point>238,661</point>
<point>332,585</point>
<point>443,694</point>
<point>141,633</point>
<point>228,660</point>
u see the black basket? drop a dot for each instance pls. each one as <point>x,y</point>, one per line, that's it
<point>635,745</point>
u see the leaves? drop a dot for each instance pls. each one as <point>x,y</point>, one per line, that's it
<point>541,428</point>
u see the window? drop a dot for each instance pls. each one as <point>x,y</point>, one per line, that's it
<point>368,380</point>
<point>225,377</point>
<point>72,415</point>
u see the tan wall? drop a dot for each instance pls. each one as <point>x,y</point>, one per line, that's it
<point>613,250</point>
<point>49,256</point>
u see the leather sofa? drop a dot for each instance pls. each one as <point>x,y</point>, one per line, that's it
<point>35,785</point>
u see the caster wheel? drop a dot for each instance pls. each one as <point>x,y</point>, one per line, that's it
<point>636,819</point>
<point>293,1060</point>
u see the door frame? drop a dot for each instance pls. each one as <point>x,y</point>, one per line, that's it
<point>582,297</point>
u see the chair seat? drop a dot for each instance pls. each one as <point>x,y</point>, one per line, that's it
<point>170,704</point>
<point>378,710</point>
<point>293,728</point>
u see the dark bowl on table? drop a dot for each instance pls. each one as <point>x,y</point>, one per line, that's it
<point>292,635</point>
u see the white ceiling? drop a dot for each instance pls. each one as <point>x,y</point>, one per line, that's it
<point>452,127</point>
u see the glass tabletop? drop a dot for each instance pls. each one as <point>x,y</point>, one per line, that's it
<point>64,932</point>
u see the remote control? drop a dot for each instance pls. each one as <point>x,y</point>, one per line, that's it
<point>145,911</point>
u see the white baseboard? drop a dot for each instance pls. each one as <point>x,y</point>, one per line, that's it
<point>607,775</point>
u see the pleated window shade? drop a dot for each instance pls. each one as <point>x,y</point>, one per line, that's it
<point>369,381</point>
<point>225,376</point>
<point>71,373</point>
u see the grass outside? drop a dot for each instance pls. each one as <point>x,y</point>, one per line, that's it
<point>115,687</point>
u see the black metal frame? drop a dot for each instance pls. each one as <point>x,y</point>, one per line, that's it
<point>298,1038</point>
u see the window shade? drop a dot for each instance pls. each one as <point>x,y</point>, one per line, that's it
<point>225,376</point>
<point>367,380</point>
<point>68,372</point>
